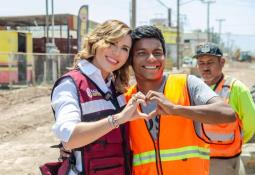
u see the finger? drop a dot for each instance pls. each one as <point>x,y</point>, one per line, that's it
<point>148,94</point>
<point>143,115</point>
<point>151,94</point>
<point>152,115</point>
<point>65,150</point>
<point>141,101</point>
<point>140,95</point>
<point>160,111</point>
<point>134,96</point>
<point>139,115</point>
<point>156,99</point>
<point>65,155</point>
<point>137,99</point>
<point>132,100</point>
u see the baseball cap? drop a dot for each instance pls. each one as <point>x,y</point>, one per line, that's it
<point>208,49</point>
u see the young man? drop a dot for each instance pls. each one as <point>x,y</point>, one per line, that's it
<point>170,143</point>
<point>226,139</point>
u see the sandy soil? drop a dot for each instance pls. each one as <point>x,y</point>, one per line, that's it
<point>25,136</point>
<point>26,120</point>
<point>244,72</point>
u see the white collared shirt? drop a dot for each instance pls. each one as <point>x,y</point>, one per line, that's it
<point>65,100</point>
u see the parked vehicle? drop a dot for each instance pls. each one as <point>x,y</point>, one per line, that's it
<point>189,62</point>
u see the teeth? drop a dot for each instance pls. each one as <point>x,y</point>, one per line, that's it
<point>150,67</point>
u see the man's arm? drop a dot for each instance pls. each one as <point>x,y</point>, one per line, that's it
<point>242,102</point>
<point>214,112</point>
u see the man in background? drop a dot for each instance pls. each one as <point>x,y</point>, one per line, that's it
<point>226,139</point>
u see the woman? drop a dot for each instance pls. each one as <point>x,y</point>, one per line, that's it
<point>88,103</point>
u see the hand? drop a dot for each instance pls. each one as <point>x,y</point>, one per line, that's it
<point>63,154</point>
<point>164,106</point>
<point>131,111</point>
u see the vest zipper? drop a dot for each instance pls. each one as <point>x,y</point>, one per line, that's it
<point>156,148</point>
<point>158,161</point>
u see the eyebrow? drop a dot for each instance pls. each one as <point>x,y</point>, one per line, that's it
<point>206,61</point>
<point>140,50</point>
<point>126,46</point>
<point>159,49</point>
<point>144,49</point>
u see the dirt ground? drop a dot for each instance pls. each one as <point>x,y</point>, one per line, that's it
<point>25,130</point>
<point>26,120</point>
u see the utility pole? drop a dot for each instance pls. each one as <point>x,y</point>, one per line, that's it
<point>209,2</point>
<point>52,22</point>
<point>169,12</point>
<point>228,44</point>
<point>133,14</point>
<point>220,25</point>
<point>47,21</point>
<point>178,35</point>
<point>177,28</point>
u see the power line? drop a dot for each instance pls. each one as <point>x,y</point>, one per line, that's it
<point>183,3</point>
<point>187,2</point>
<point>240,35</point>
<point>163,4</point>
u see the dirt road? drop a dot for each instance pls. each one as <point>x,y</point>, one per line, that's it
<point>26,120</point>
<point>25,137</point>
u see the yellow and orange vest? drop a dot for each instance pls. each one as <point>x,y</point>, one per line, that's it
<point>225,139</point>
<point>178,150</point>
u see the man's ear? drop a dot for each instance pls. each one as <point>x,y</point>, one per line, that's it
<point>222,61</point>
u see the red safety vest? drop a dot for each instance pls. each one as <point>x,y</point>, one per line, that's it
<point>178,150</point>
<point>109,154</point>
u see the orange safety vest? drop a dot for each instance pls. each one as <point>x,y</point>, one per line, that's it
<point>178,150</point>
<point>225,139</point>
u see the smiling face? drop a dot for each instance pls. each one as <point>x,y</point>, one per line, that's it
<point>210,68</point>
<point>148,59</point>
<point>111,58</point>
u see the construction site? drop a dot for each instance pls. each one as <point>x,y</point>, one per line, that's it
<point>26,120</point>
<point>35,50</point>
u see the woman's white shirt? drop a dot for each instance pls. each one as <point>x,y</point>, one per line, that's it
<point>65,100</point>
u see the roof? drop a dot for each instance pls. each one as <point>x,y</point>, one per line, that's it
<point>40,20</point>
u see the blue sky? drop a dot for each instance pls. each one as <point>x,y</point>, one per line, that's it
<point>239,15</point>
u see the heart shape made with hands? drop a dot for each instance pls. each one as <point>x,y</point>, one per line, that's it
<point>163,104</point>
<point>146,99</point>
<point>140,98</point>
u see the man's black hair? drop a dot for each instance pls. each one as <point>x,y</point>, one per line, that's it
<point>147,31</point>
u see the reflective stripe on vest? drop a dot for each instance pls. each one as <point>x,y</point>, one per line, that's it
<point>171,154</point>
<point>225,132</point>
<point>220,137</point>
<point>226,139</point>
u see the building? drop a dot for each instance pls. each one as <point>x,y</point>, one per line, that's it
<point>65,30</point>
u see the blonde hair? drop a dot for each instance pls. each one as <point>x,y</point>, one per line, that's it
<point>111,31</point>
